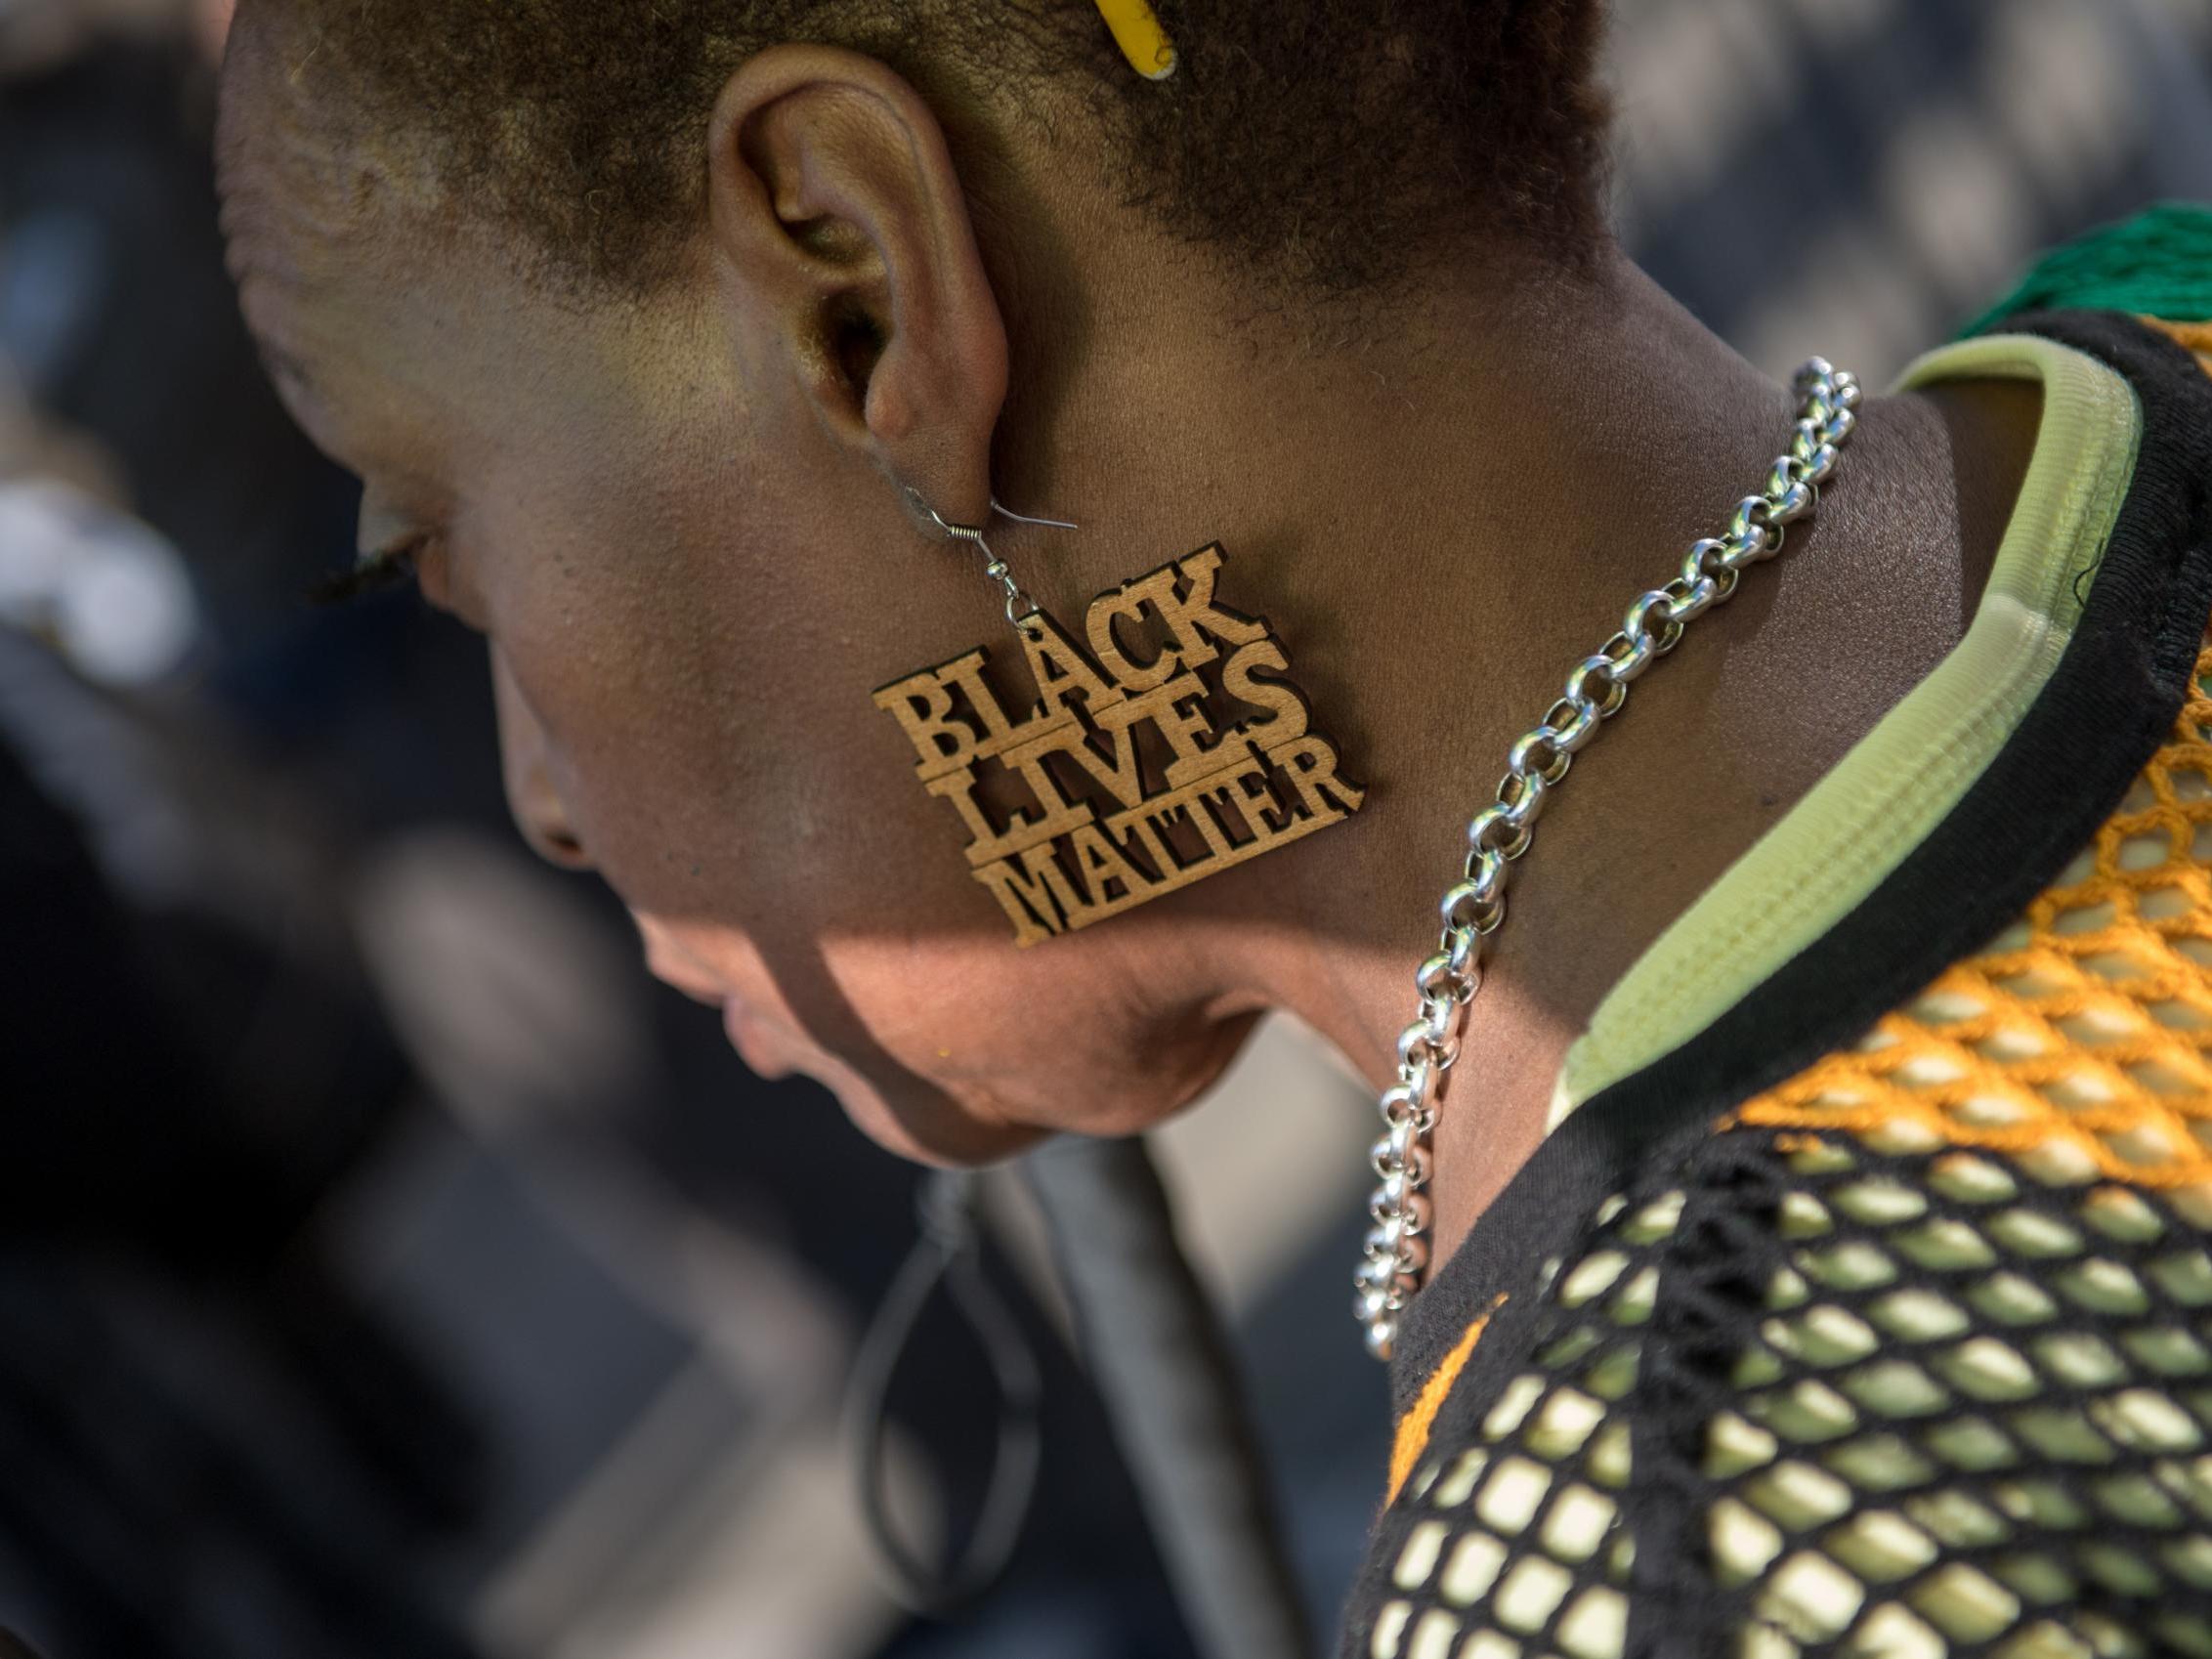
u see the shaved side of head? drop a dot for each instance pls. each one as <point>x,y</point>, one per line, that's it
<point>1333,146</point>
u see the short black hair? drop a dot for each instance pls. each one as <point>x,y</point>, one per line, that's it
<point>1333,142</point>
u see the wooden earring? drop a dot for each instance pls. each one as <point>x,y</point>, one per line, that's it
<point>1126,779</point>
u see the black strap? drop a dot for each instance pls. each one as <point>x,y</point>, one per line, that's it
<point>1161,1357</point>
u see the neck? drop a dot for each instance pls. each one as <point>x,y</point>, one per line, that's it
<point>1441,523</point>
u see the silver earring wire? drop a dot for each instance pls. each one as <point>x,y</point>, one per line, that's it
<point>1006,512</point>
<point>1020,608</point>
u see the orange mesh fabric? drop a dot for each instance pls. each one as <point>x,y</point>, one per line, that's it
<point>2081,1040</point>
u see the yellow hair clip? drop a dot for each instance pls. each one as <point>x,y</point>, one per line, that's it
<point>1137,32</point>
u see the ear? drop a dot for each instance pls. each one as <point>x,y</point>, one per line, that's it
<point>838,217</point>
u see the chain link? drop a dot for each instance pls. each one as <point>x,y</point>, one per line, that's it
<point>1396,1255</point>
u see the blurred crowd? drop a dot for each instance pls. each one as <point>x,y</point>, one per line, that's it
<point>385,1265</point>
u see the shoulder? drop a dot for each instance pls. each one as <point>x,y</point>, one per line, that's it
<point>1878,1316</point>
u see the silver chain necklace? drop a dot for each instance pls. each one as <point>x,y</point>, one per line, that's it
<point>1397,1246</point>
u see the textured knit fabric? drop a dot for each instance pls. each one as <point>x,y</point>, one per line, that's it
<point>1875,1317</point>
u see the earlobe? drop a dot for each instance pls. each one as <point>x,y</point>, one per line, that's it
<point>843,235</point>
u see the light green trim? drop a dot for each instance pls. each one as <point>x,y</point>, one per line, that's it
<point>1857,823</point>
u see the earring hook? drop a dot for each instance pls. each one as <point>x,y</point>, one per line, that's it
<point>1020,607</point>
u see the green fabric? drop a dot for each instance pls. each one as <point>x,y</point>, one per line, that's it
<point>2159,264</point>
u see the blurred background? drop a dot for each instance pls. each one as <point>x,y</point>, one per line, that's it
<point>386,1265</point>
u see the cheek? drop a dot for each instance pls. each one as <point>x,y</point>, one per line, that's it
<point>698,614</point>
<point>647,750</point>
<point>707,726</point>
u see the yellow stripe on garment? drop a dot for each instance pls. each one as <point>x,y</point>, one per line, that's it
<point>1413,1427</point>
<point>1137,32</point>
<point>2197,336</point>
